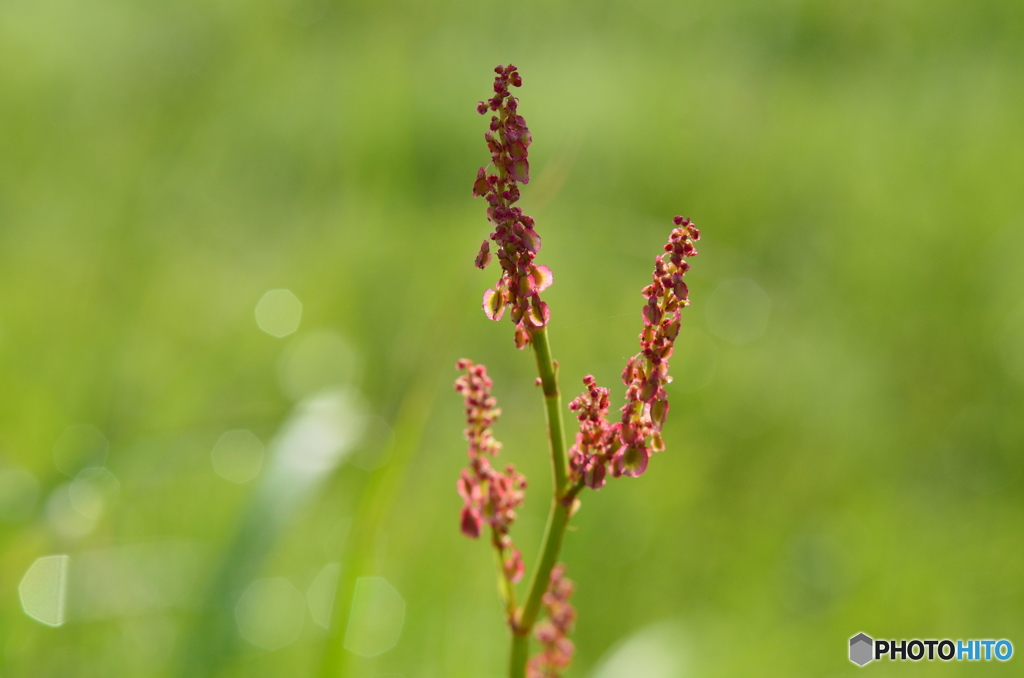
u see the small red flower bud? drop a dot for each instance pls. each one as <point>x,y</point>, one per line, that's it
<point>470,522</point>
<point>493,305</point>
<point>480,186</point>
<point>531,241</point>
<point>539,313</point>
<point>650,387</point>
<point>627,372</point>
<point>517,151</point>
<point>680,289</point>
<point>594,476</point>
<point>542,277</point>
<point>527,286</point>
<point>522,338</point>
<point>484,256</point>
<point>659,413</point>
<point>633,461</point>
<point>514,568</point>
<point>657,444</point>
<point>520,171</point>
<point>652,314</point>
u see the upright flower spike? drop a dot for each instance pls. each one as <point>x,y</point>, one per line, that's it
<point>489,496</point>
<point>553,632</point>
<point>646,373</point>
<point>521,281</point>
<point>625,447</point>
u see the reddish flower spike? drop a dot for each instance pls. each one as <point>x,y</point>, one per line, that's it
<point>517,243</point>
<point>557,650</point>
<point>489,497</point>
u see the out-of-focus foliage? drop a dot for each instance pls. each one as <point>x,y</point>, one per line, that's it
<point>845,442</point>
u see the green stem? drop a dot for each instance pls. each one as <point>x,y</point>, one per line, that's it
<point>553,403</point>
<point>505,586</point>
<point>520,654</point>
<point>561,507</point>
<point>558,519</point>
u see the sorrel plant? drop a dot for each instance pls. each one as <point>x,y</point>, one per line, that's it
<point>601,448</point>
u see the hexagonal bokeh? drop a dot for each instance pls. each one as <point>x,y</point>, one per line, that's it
<point>375,622</point>
<point>92,489</point>
<point>315,361</point>
<point>270,613</point>
<point>43,590</point>
<point>861,646</point>
<point>63,518</point>
<point>79,447</point>
<point>320,595</point>
<point>278,313</point>
<point>237,456</point>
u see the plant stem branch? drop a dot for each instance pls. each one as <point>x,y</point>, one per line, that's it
<point>558,517</point>
<point>505,586</point>
<point>548,370</point>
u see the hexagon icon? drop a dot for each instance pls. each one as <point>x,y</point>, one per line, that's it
<point>279,312</point>
<point>861,646</point>
<point>43,590</point>
<point>375,622</point>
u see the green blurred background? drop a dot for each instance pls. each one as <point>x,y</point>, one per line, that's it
<point>845,443</point>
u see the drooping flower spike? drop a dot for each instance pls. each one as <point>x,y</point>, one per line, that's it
<point>514,235</point>
<point>489,496</point>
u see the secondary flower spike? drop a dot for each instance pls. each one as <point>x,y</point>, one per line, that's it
<point>646,373</point>
<point>488,496</point>
<point>553,632</point>
<point>625,447</point>
<point>514,236</point>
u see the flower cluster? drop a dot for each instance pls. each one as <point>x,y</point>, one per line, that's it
<point>517,242</point>
<point>646,373</point>
<point>627,446</point>
<point>553,632</point>
<point>488,496</point>
<point>596,439</point>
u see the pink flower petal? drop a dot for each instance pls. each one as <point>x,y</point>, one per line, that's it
<point>542,277</point>
<point>531,240</point>
<point>494,306</point>
<point>470,522</point>
<point>520,171</point>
